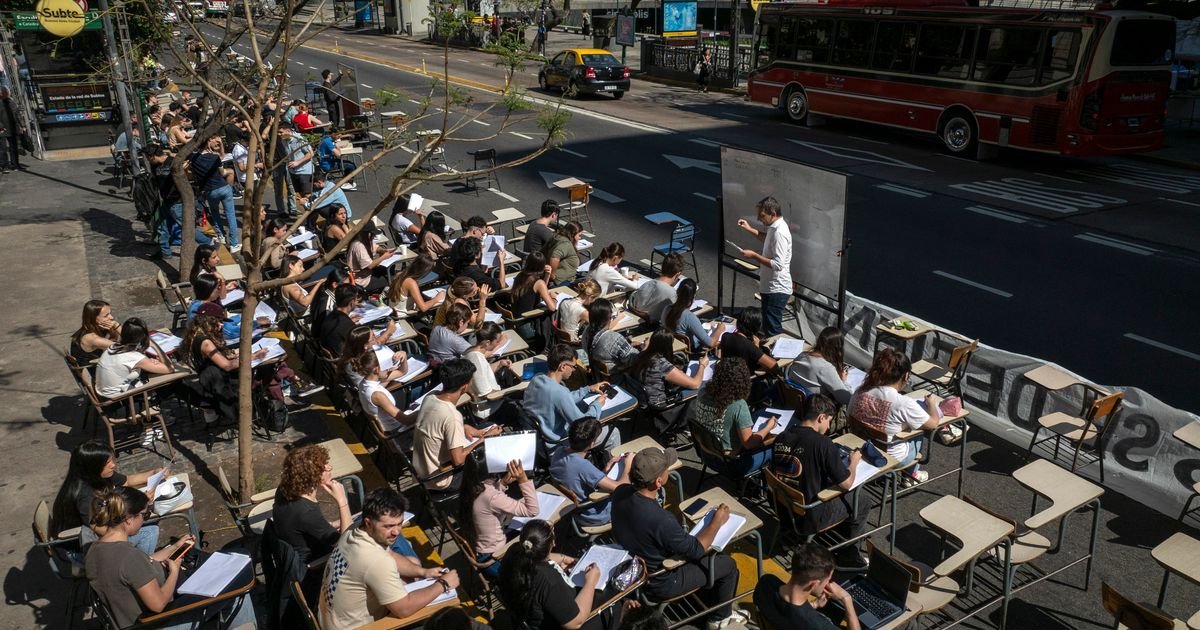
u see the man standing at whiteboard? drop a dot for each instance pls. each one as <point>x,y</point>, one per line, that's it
<point>775,262</point>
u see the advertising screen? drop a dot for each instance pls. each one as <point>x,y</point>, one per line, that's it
<point>679,18</point>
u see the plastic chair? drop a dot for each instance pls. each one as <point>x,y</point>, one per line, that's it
<point>174,298</point>
<point>683,241</point>
<point>713,456</point>
<point>1085,432</point>
<point>576,208</point>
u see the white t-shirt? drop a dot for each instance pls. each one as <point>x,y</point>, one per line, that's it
<point>483,381</point>
<point>240,156</point>
<point>889,411</point>
<point>360,580</point>
<point>117,372</point>
<point>777,247</point>
<point>439,429</point>
<point>366,390</point>
<point>610,279</point>
<point>570,315</point>
<point>401,224</point>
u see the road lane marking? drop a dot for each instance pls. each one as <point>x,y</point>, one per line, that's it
<point>1117,244</point>
<point>858,154</point>
<point>1186,203</point>
<point>1142,177</point>
<point>707,143</point>
<point>607,196</point>
<point>870,140</point>
<point>954,157</point>
<point>480,122</point>
<point>704,196</point>
<point>406,148</point>
<point>1162,346</point>
<point>504,195</point>
<point>634,173</point>
<point>575,153</point>
<point>736,115</point>
<point>972,283</point>
<point>369,87</point>
<point>521,135</point>
<point>896,188</point>
<point>414,101</point>
<point>996,214</point>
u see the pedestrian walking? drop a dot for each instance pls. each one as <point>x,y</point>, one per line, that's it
<point>10,129</point>
<point>704,70</point>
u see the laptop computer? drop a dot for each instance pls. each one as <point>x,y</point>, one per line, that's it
<point>879,595</point>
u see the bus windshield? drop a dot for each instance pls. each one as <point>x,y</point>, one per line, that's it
<point>1143,43</point>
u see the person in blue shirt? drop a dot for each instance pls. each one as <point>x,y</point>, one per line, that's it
<point>210,290</point>
<point>299,160</point>
<point>330,158</point>
<point>336,196</point>
<point>571,467</point>
<point>556,407</point>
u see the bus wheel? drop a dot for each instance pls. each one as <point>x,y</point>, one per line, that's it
<point>796,105</point>
<point>958,134</point>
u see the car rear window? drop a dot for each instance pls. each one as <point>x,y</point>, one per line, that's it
<point>1143,43</point>
<point>600,60</point>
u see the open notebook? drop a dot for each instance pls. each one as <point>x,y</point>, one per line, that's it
<point>726,532</point>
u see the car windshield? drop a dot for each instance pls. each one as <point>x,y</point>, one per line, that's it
<point>600,60</point>
<point>1143,43</point>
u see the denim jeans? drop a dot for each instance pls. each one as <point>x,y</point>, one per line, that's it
<point>146,539</point>
<point>914,447</point>
<point>217,198</point>
<point>170,224</point>
<point>235,614</point>
<point>285,202</point>
<point>749,461</point>
<point>403,547</point>
<point>773,305</point>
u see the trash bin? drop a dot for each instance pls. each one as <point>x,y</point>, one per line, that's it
<point>312,94</point>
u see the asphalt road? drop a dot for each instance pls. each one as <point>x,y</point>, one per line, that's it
<point>1091,264</point>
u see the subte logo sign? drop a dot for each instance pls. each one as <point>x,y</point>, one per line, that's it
<point>63,18</point>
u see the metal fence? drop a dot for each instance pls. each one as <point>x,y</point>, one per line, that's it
<point>679,62</point>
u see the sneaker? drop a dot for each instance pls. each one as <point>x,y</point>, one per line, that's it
<point>912,479</point>
<point>350,186</point>
<point>304,390</point>
<point>736,617</point>
<point>233,249</point>
<point>852,562</point>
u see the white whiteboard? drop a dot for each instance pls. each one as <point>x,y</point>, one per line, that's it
<point>814,206</point>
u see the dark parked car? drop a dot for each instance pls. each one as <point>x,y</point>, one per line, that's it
<point>589,70</point>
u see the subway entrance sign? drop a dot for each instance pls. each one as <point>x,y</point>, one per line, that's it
<point>28,21</point>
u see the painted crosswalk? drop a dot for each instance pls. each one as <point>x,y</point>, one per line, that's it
<point>1116,243</point>
<point>1143,177</point>
<point>1036,194</point>
<point>904,190</point>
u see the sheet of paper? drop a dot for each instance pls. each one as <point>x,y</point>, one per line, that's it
<point>863,472</point>
<point>416,404</point>
<point>415,367</point>
<point>432,293</point>
<point>168,342</point>
<point>154,480</point>
<point>585,267</point>
<point>215,574</point>
<point>725,534</point>
<point>493,244</point>
<point>384,355</point>
<point>606,558</point>
<point>300,237</point>
<point>504,346</point>
<point>492,317</point>
<point>509,280</point>
<point>371,314</point>
<point>307,254</point>
<point>787,348</point>
<point>617,469</point>
<point>627,319</point>
<point>548,504</point>
<point>583,244</point>
<point>784,416</point>
<point>708,371</point>
<point>426,583</point>
<point>273,347</point>
<point>232,297</point>
<point>698,304</point>
<point>621,399</point>
<point>854,378</point>
<point>641,281</point>
<point>391,260</point>
<point>262,309</point>
<point>414,202</point>
<point>501,449</point>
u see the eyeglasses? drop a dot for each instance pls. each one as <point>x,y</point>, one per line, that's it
<point>147,513</point>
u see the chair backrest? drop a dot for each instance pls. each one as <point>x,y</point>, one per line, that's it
<point>41,522</point>
<point>793,396</point>
<point>786,496</point>
<point>683,233</point>
<point>306,612</point>
<point>707,445</point>
<point>226,488</point>
<point>962,355</point>
<point>1105,406</point>
<point>485,154</point>
<point>866,431</point>
<point>579,192</point>
<point>83,377</point>
<point>1131,614</point>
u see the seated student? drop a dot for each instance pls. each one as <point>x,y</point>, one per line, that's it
<point>474,227</point>
<point>131,583</point>
<point>489,338</point>
<point>329,156</point>
<point>122,365</point>
<point>653,298</point>
<point>643,528</point>
<point>878,403</point>
<point>462,291</point>
<point>216,364</point>
<point>406,229</point>
<point>529,292</point>
<point>336,327</point>
<point>469,252</point>
<point>746,342</point>
<point>658,378</point>
<point>274,246</point>
<point>811,586</point>
<point>363,580</point>
<point>432,239</point>
<point>562,253</point>
<point>721,408</point>
<point>363,257</point>
<point>605,270</point>
<point>206,260</point>
<point>541,229</point>
<point>377,402</point>
<point>304,119</point>
<point>572,313</point>
<point>299,299</point>
<point>806,458</point>
<point>571,467</point>
<point>441,438</point>
<point>824,366</point>
<point>297,512</point>
<point>98,331</point>
<point>327,196</point>
<point>405,294</point>
<point>486,509</point>
<point>326,301</point>
<point>360,342</point>
<point>446,340</point>
<point>556,407</point>
<point>210,290</point>
<point>602,342</point>
<point>534,587</point>
<point>679,319</point>
<point>337,226</point>
<point>93,469</point>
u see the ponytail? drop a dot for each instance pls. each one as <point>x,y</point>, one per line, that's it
<point>599,313</point>
<point>684,296</point>
<point>520,563</point>
<point>111,507</point>
<point>889,366</point>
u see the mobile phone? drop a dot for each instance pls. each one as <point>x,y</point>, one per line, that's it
<point>695,508</point>
<point>610,391</point>
<point>182,550</point>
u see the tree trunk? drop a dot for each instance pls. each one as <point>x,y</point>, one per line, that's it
<point>245,397</point>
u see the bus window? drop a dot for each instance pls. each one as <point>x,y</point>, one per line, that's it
<point>944,50</point>
<point>895,44</point>
<point>1007,55</point>
<point>1143,43</point>
<point>764,48</point>
<point>852,46</point>
<point>785,44</point>
<point>1059,55</point>
<point>812,40</point>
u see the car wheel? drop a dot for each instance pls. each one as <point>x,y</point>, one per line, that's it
<point>572,90</point>
<point>618,95</point>
<point>543,83</point>
<point>958,134</point>
<point>795,103</point>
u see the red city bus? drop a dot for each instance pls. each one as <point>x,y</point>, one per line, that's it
<point>1086,83</point>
